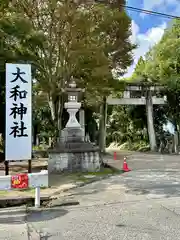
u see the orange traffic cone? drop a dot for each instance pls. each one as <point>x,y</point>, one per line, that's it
<point>125,166</point>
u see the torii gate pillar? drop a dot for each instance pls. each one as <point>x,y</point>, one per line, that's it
<point>148,101</point>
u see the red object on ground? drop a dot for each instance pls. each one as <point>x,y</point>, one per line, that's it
<point>115,156</point>
<point>19,181</point>
<point>125,166</point>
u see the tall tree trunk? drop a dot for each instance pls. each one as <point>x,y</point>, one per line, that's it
<point>56,108</point>
<point>102,126</point>
<point>52,107</point>
<point>59,114</point>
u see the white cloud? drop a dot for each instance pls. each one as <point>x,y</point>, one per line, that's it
<point>153,35</point>
<point>150,5</point>
<point>144,42</point>
<point>161,6</point>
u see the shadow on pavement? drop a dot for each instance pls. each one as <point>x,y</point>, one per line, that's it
<point>142,182</point>
<point>34,216</point>
<point>45,215</point>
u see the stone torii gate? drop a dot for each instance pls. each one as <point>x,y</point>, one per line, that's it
<point>138,94</point>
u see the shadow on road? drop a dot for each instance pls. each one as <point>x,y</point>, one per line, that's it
<point>149,182</point>
<point>45,215</point>
<point>34,216</point>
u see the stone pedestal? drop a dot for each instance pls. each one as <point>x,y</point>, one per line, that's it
<point>73,153</point>
<point>74,162</point>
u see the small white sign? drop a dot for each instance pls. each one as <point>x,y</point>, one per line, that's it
<point>18,112</point>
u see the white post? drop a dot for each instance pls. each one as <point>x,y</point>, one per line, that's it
<point>37,197</point>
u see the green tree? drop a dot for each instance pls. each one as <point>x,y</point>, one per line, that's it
<point>139,70</point>
<point>2,112</point>
<point>84,41</point>
<point>163,67</point>
<point>15,34</point>
<point>43,126</point>
<point>127,125</point>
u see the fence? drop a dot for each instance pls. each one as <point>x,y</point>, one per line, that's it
<point>24,181</point>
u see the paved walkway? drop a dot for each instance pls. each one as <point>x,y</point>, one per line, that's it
<point>135,220</point>
<point>137,161</point>
<point>143,204</point>
<point>13,224</point>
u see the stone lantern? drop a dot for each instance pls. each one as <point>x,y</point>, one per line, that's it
<point>73,106</point>
<point>73,153</point>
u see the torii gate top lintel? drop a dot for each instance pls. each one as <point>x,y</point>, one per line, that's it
<point>141,87</point>
<point>133,95</point>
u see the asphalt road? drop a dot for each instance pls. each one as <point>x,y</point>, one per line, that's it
<point>142,204</point>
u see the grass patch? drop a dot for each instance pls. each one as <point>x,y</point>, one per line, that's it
<point>13,192</point>
<point>104,171</point>
<point>83,177</point>
<point>60,180</point>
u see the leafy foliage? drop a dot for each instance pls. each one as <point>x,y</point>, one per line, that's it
<point>159,67</point>
<point>162,66</point>
<point>63,39</point>
<point>125,125</point>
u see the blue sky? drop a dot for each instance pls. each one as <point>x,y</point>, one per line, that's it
<point>147,30</point>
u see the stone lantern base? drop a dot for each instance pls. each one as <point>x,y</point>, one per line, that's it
<point>73,162</point>
<point>73,154</point>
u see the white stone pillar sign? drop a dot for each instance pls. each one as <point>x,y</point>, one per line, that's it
<point>18,112</point>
